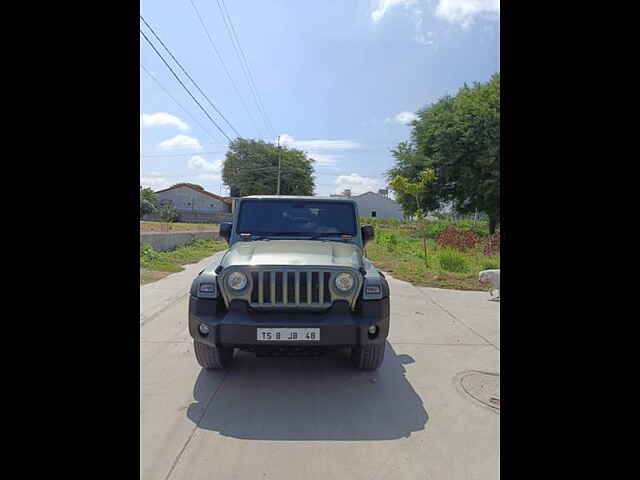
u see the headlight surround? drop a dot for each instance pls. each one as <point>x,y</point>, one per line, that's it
<point>344,282</point>
<point>207,290</point>
<point>237,281</point>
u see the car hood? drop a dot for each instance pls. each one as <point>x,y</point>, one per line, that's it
<point>293,253</point>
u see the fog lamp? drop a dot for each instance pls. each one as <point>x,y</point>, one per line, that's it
<point>204,329</point>
<point>373,329</point>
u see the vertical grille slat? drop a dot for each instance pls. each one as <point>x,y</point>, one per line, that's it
<point>272,282</point>
<point>281,278</point>
<point>290,288</point>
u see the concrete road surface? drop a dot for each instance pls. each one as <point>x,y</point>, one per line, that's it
<point>318,418</point>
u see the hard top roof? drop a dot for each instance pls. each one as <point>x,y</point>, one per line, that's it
<point>297,197</point>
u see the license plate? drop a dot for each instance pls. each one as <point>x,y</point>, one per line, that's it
<point>289,334</point>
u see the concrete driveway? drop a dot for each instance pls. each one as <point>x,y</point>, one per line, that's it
<point>318,418</point>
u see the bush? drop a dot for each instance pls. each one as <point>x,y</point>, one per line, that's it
<point>491,245</point>
<point>148,254</point>
<point>168,213</point>
<point>451,237</point>
<point>146,207</point>
<point>452,261</point>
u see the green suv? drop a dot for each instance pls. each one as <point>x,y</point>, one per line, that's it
<point>294,281</point>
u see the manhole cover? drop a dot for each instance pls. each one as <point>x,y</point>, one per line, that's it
<point>481,387</point>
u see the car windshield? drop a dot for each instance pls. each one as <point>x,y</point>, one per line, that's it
<point>296,218</point>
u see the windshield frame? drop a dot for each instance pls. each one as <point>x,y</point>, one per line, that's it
<point>355,236</point>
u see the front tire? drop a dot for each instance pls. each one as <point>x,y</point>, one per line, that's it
<point>213,358</point>
<point>369,357</point>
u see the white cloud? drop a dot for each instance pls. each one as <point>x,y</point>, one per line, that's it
<point>323,159</point>
<point>289,141</point>
<point>181,141</point>
<point>322,151</point>
<point>384,5</point>
<point>199,163</point>
<point>162,119</point>
<point>209,171</point>
<point>357,184</point>
<point>463,12</point>
<point>404,118</point>
<point>156,182</point>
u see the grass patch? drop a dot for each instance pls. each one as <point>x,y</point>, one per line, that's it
<point>153,262</point>
<point>178,227</point>
<point>149,277</point>
<point>398,249</point>
<point>452,260</point>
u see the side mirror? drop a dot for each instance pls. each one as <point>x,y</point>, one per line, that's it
<point>225,230</point>
<point>368,234</point>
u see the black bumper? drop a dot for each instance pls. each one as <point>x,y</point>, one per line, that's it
<point>339,326</point>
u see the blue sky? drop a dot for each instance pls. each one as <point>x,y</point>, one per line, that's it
<point>337,78</point>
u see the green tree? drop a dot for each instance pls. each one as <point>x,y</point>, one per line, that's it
<point>168,213</point>
<point>251,167</point>
<point>459,137</point>
<point>415,189</point>
<point>149,195</point>
<point>148,201</point>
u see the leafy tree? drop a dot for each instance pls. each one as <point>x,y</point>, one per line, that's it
<point>168,213</point>
<point>146,207</point>
<point>148,201</point>
<point>459,137</point>
<point>149,195</point>
<point>251,168</point>
<point>402,185</point>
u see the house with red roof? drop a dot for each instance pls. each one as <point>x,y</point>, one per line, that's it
<point>193,204</point>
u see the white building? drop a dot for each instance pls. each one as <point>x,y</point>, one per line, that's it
<point>376,205</point>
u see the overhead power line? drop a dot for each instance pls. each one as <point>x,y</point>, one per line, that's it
<point>176,101</point>
<point>244,63</point>
<point>224,65</point>
<point>183,85</point>
<point>190,77</point>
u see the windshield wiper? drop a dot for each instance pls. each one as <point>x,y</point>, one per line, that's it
<point>343,236</point>
<point>261,235</point>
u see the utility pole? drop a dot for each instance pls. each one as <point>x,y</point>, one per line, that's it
<point>279,162</point>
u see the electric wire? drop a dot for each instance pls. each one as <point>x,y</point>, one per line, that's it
<point>244,63</point>
<point>183,85</point>
<point>190,77</point>
<point>176,101</point>
<point>224,65</point>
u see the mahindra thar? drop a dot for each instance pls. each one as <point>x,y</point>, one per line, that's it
<point>294,281</point>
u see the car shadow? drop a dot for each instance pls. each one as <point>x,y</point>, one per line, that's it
<point>308,398</point>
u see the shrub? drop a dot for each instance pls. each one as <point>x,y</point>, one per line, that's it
<point>148,254</point>
<point>146,207</point>
<point>168,213</point>
<point>451,237</point>
<point>491,245</point>
<point>452,261</point>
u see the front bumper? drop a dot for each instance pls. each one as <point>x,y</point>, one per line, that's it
<point>339,326</point>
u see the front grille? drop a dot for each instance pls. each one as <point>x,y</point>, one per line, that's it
<point>290,288</point>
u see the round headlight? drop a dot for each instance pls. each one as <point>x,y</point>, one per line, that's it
<point>237,280</point>
<point>344,281</point>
